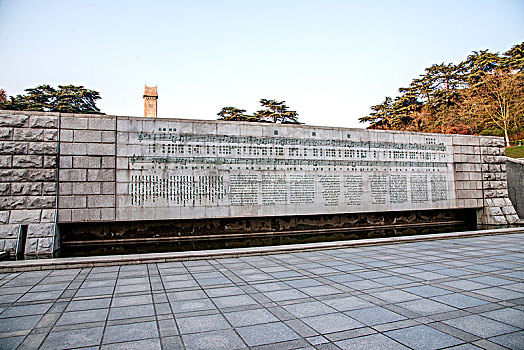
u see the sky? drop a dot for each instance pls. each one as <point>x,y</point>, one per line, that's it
<point>330,60</point>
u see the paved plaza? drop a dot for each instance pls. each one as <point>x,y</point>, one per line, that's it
<point>457,294</point>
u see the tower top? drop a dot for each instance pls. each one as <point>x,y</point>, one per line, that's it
<point>150,91</point>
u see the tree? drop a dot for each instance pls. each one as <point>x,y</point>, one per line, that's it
<point>276,112</point>
<point>68,98</point>
<point>3,97</point>
<point>236,114</point>
<point>498,100</point>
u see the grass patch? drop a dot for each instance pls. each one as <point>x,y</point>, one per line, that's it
<point>515,152</point>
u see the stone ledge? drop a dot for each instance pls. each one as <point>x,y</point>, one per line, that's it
<point>134,259</point>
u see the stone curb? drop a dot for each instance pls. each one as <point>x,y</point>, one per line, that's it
<point>134,259</point>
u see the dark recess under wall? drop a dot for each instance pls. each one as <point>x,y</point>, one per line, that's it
<point>206,229</point>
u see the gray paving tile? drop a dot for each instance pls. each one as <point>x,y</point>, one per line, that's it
<point>511,341</point>
<point>331,323</point>
<point>187,295</point>
<point>192,305</point>
<point>18,323</point>
<point>117,313</point>
<point>480,326</point>
<point>88,304</point>
<point>86,316</point>
<point>73,338</point>
<point>423,337</point>
<point>149,344</point>
<point>395,296</point>
<point>288,294</point>
<point>427,291</point>
<point>130,332</point>
<point>373,341</point>
<point>131,300</point>
<point>233,301</point>
<point>223,291</point>
<point>426,307</point>
<point>250,317</point>
<point>320,290</point>
<point>460,301</point>
<point>26,310</point>
<point>268,333</point>
<point>313,308</point>
<point>202,323</point>
<point>374,315</point>
<point>491,280</point>
<point>500,293</point>
<point>222,339</point>
<point>11,342</point>
<point>510,316</point>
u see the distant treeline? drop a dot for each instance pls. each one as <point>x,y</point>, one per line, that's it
<point>482,95</point>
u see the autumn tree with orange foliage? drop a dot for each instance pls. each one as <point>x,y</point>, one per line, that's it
<point>460,98</point>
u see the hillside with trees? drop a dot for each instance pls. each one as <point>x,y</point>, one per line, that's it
<point>482,95</point>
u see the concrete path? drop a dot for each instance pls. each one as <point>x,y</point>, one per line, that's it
<point>457,293</point>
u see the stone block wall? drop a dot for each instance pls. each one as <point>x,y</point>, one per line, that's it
<point>497,208</point>
<point>62,168</point>
<point>28,173</point>
<point>515,174</point>
<point>87,168</point>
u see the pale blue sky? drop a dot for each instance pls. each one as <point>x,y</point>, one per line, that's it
<point>330,60</point>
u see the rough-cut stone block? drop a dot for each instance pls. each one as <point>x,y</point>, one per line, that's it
<point>6,134</point>
<point>87,136</point>
<point>49,188</point>
<point>102,123</point>
<point>27,161</point>
<point>102,201</point>
<point>26,189</point>
<point>18,121</point>
<point>46,122</point>
<point>43,148</point>
<point>47,202</point>
<point>86,188</point>
<point>48,215</point>
<point>87,162</point>
<point>69,202</point>
<point>4,217</point>
<point>28,135</point>
<point>46,175</point>
<point>5,189</point>
<point>12,147</point>
<point>108,162</point>
<point>9,231</point>
<point>13,175</point>
<point>6,161</point>
<point>50,161</point>
<point>491,141</point>
<point>8,203</point>
<point>73,122</point>
<point>51,135</point>
<point>100,149</point>
<point>101,175</point>
<point>25,216</point>
<point>74,149</point>
<point>40,230</point>
<point>47,237</point>
<point>72,175</point>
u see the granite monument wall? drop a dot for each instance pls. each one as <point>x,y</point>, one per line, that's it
<point>65,168</point>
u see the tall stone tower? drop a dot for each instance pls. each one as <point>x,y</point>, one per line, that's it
<point>150,98</point>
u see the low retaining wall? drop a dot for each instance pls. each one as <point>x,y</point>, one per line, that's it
<point>515,170</point>
<point>67,168</point>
